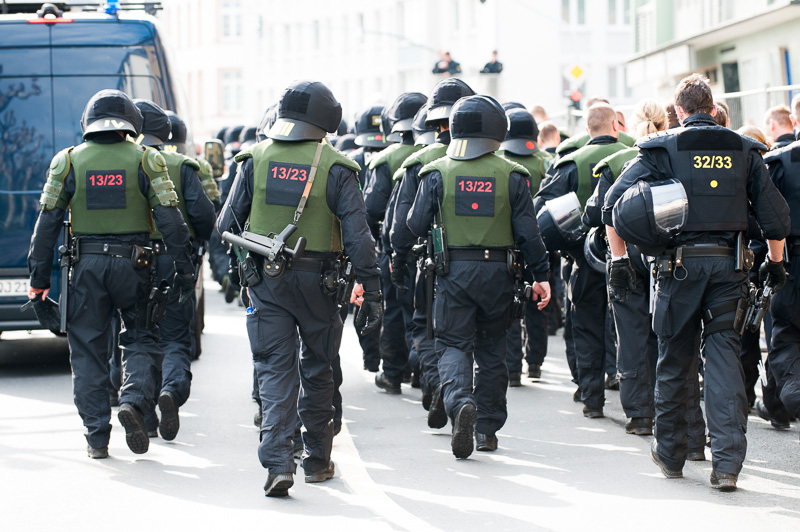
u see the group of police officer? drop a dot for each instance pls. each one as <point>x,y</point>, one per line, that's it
<point>450,186</point>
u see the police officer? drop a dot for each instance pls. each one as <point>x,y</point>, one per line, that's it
<point>370,140</point>
<point>437,115</point>
<point>520,147</point>
<point>483,202</point>
<point>587,294</point>
<point>111,186</point>
<point>380,184</point>
<point>176,329</point>
<point>724,177</point>
<point>781,394</point>
<point>331,220</point>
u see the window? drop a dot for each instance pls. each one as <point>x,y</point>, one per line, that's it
<point>232,91</point>
<point>613,86</point>
<point>581,12</point>
<point>231,19</point>
<point>612,12</point>
<point>626,12</point>
<point>565,10</point>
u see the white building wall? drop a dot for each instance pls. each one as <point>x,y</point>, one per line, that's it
<point>370,51</point>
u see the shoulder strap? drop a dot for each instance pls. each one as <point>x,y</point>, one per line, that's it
<point>307,191</point>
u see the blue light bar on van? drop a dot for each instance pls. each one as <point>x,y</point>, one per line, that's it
<point>112,6</point>
<point>48,20</point>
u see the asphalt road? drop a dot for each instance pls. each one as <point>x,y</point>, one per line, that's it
<point>555,470</point>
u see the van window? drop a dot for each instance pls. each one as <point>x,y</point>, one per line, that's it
<point>25,153</point>
<point>74,91</point>
<point>74,60</point>
<point>26,34</point>
<point>24,62</point>
<point>101,33</point>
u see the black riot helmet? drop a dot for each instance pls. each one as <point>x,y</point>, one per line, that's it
<point>342,129</point>
<point>522,132</point>
<point>478,126</point>
<point>248,134</point>
<point>424,134</point>
<point>178,133</point>
<point>401,113</point>
<point>650,214</point>
<point>155,124</point>
<point>232,135</point>
<point>346,143</point>
<point>307,110</point>
<point>111,110</point>
<point>444,95</point>
<point>368,128</point>
<point>221,134</point>
<point>507,106</point>
<point>267,121</point>
<point>595,249</point>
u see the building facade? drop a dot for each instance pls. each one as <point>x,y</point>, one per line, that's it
<point>236,56</point>
<point>742,46</point>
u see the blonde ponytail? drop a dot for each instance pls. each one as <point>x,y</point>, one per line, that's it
<point>650,118</point>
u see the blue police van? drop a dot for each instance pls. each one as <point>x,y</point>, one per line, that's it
<point>53,58</point>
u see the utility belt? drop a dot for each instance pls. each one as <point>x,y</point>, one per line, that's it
<point>482,255</point>
<point>672,260</point>
<point>141,257</point>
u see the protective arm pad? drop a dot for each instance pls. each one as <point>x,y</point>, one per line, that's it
<point>155,167</point>
<point>54,186</point>
<point>206,174</point>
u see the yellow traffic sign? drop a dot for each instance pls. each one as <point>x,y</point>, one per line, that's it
<point>576,72</point>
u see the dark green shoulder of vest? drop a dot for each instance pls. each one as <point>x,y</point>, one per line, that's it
<point>59,168</point>
<point>626,139</point>
<point>429,167</point>
<point>248,153</point>
<point>792,150</point>
<point>382,157</point>
<point>426,155</point>
<point>616,159</point>
<point>243,156</point>
<point>339,158</point>
<point>515,163</point>
<point>573,143</point>
<point>173,156</point>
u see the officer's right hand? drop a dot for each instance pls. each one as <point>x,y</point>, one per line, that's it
<point>622,280</point>
<point>772,274</point>
<point>399,272</point>
<point>370,314</point>
<point>541,292</point>
<point>184,283</point>
<point>36,293</point>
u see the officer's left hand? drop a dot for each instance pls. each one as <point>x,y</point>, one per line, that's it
<point>184,283</point>
<point>34,293</point>
<point>399,272</point>
<point>621,280</point>
<point>772,274</point>
<point>370,314</point>
<point>541,292</point>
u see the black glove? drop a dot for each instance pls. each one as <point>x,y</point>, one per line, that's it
<point>370,314</point>
<point>399,273</point>
<point>622,280</point>
<point>184,284</point>
<point>772,274</point>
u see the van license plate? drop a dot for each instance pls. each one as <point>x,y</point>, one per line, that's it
<point>13,287</point>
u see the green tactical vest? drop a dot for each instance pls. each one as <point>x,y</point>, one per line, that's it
<point>107,199</point>
<point>175,162</point>
<point>537,164</point>
<point>579,141</point>
<point>616,161</point>
<point>280,173</point>
<point>393,155</point>
<point>586,159</point>
<point>476,209</point>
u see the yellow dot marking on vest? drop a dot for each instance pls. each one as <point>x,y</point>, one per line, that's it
<point>714,183</point>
